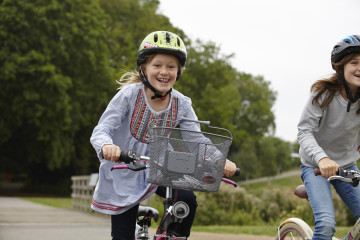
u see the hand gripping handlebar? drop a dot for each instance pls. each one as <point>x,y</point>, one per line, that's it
<point>350,176</point>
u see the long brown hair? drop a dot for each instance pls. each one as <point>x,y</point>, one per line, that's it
<point>332,85</point>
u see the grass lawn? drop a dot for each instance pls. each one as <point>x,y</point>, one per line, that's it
<point>341,232</point>
<point>53,202</point>
<point>253,230</point>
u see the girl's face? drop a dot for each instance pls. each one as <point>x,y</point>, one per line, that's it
<point>352,73</point>
<point>161,71</point>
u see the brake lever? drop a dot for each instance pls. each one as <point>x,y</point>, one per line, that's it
<point>344,179</point>
<point>350,176</point>
<point>137,167</point>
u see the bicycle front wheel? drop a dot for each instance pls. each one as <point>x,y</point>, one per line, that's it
<point>293,231</point>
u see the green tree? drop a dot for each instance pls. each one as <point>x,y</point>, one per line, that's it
<point>54,75</point>
<point>274,155</point>
<point>247,160</point>
<point>255,111</point>
<point>230,99</point>
<point>208,81</point>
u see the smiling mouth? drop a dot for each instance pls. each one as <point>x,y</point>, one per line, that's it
<point>163,80</point>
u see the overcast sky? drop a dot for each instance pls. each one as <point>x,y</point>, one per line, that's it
<point>287,42</point>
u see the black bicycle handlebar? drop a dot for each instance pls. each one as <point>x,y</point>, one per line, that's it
<point>237,172</point>
<point>129,156</point>
<point>350,176</point>
<point>340,172</point>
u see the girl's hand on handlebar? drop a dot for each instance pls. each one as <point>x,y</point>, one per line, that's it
<point>328,167</point>
<point>111,152</point>
<point>229,169</point>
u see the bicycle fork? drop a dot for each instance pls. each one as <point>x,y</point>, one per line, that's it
<point>174,213</point>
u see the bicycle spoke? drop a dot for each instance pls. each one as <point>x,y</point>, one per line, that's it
<point>292,237</point>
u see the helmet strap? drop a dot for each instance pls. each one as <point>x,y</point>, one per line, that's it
<point>162,97</point>
<point>350,96</point>
<point>146,82</point>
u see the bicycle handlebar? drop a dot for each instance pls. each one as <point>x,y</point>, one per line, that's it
<point>131,157</point>
<point>237,172</point>
<point>197,121</point>
<point>317,171</point>
<point>350,176</point>
<point>127,156</point>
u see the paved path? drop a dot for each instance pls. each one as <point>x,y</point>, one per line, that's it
<point>24,220</point>
<point>20,220</point>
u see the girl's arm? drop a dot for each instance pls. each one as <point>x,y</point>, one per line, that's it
<point>110,121</point>
<point>308,124</point>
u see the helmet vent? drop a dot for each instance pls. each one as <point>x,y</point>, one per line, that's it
<point>155,38</point>
<point>178,42</point>
<point>167,36</point>
<point>356,37</point>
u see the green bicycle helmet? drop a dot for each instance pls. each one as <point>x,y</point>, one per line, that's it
<point>160,42</point>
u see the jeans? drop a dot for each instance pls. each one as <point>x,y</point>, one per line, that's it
<point>319,192</point>
<point>123,225</point>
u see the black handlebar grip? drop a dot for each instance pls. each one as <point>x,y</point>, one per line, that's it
<point>338,172</point>
<point>237,172</point>
<point>125,156</point>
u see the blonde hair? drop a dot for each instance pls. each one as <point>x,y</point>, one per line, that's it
<point>128,78</point>
<point>133,76</point>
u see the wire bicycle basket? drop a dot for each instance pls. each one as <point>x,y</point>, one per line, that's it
<point>188,159</point>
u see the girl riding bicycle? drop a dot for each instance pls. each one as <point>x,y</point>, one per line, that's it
<point>145,98</point>
<point>329,136</point>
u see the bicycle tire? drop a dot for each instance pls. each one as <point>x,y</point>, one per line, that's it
<point>293,231</point>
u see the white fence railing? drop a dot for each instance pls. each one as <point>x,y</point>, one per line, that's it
<point>82,191</point>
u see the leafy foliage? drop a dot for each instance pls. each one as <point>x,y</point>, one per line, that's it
<point>268,205</point>
<point>54,70</point>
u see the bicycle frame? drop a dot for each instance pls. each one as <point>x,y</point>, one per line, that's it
<point>167,223</point>
<point>182,159</point>
<point>301,228</point>
<point>171,216</point>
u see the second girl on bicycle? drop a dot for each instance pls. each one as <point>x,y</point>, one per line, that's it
<point>329,136</point>
<point>145,96</point>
